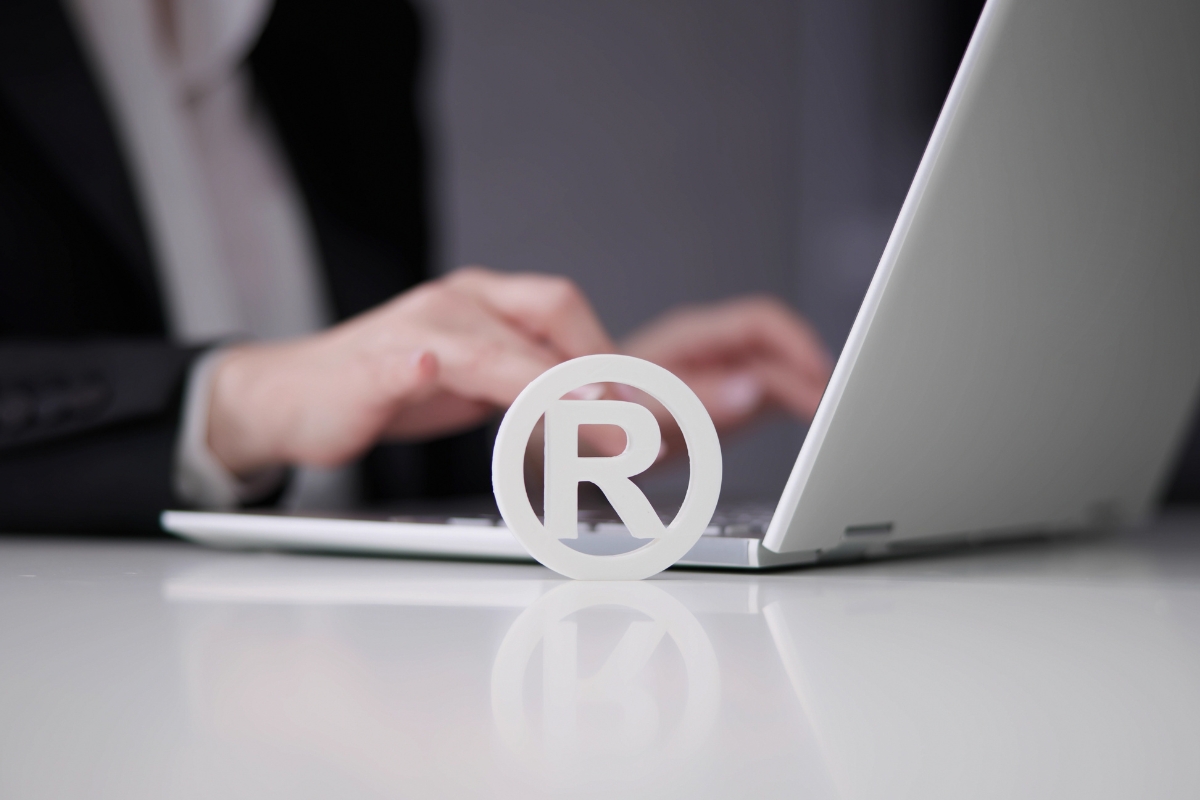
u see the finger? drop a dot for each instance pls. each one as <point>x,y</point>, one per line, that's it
<point>764,329</point>
<point>732,398</point>
<point>737,331</point>
<point>438,414</point>
<point>548,307</point>
<point>735,397</point>
<point>481,355</point>
<point>491,366</point>
<point>784,334</point>
<point>784,388</point>
<point>404,375</point>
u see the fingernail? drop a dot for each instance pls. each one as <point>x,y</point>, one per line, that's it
<point>424,363</point>
<point>589,391</point>
<point>740,394</point>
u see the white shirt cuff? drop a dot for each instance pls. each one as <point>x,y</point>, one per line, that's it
<point>199,478</point>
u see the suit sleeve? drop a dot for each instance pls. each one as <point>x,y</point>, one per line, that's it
<point>87,433</point>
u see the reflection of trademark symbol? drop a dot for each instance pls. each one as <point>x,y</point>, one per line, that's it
<point>550,622</point>
<point>565,468</point>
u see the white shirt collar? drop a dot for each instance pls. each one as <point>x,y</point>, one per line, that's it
<point>212,37</point>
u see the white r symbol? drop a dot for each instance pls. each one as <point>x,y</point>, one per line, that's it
<point>565,468</point>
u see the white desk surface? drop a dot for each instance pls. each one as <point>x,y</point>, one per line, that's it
<point>1039,669</point>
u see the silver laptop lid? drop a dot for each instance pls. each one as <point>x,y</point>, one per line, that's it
<point>1028,353</point>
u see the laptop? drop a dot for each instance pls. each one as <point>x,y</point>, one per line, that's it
<point>1027,357</point>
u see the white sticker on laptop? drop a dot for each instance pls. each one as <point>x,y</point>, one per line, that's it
<point>565,468</point>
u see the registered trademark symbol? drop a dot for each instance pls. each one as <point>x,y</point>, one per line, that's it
<point>565,468</point>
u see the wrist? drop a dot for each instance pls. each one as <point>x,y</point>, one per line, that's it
<point>241,422</point>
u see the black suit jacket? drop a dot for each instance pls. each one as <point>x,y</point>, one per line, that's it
<point>90,384</point>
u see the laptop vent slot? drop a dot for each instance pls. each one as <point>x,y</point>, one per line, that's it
<point>874,529</point>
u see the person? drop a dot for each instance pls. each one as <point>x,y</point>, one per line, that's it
<point>213,274</point>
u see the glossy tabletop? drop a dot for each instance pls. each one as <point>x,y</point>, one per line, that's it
<point>1047,668</point>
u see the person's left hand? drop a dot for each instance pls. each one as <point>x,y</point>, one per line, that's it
<point>743,358</point>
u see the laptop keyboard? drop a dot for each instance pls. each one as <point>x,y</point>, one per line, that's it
<point>736,521</point>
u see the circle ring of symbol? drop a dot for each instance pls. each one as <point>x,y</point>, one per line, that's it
<point>704,480</point>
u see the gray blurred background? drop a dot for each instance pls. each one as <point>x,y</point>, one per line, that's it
<point>662,152</point>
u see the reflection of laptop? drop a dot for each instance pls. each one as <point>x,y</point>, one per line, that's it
<point>1028,352</point>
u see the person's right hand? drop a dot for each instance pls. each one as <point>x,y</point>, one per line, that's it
<point>437,359</point>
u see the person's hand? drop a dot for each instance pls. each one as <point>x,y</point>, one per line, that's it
<point>743,358</point>
<point>437,359</point>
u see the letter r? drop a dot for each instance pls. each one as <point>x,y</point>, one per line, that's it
<point>565,468</point>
